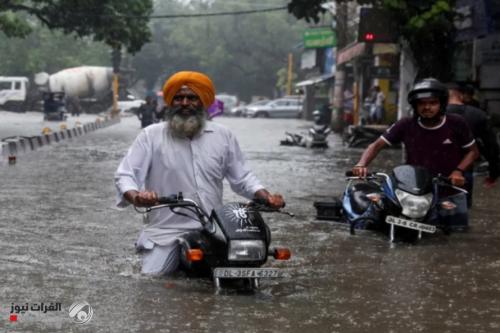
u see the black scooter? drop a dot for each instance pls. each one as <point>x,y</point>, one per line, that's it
<point>316,137</point>
<point>233,243</point>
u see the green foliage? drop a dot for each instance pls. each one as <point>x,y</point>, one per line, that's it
<point>310,9</point>
<point>48,51</point>
<point>13,25</point>
<point>428,27</point>
<point>115,22</point>
<point>241,53</point>
<point>426,24</point>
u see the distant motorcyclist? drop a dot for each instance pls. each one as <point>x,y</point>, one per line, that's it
<point>440,142</point>
<point>51,104</point>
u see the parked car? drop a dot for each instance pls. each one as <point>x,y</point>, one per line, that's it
<point>241,110</point>
<point>278,108</point>
<point>237,111</point>
<point>244,110</point>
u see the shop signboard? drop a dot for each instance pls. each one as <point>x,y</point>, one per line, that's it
<point>319,38</point>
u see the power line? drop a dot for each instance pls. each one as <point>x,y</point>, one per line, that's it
<point>241,12</point>
<point>173,16</point>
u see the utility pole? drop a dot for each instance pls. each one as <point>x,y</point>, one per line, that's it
<point>116,57</point>
<point>337,124</point>
<point>290,72</point>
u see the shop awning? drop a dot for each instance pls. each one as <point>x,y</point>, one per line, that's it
<point>315,80</point>
<point>350,52</point>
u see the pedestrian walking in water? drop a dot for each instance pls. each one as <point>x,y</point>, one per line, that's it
<point>147,112</point>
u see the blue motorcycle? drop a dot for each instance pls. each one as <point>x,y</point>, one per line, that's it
<point>404,204</point>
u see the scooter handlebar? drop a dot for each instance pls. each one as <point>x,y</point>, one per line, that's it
<point>263,202</point>
<point>168,200</point>
<point>442,180</point>
<point>350,174</point>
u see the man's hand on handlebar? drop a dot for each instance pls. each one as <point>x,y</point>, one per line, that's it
<point>142,199</point>
<point>360,171</point>
<point>457,178</point>
<point>274,201</point>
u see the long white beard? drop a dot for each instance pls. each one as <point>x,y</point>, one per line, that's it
<point>186,127</point>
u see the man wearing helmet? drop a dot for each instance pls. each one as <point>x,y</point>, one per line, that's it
<point>185,154</point>
<point>439,142</point>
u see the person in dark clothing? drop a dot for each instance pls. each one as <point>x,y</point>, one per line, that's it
<point>160,114</point>
<point>440,142</point>
<point>481,129</point>
<point>147,112</point>
<point>50,104</point>
<point>467,91</point>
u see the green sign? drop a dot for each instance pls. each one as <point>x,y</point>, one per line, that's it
<point>319,37</point>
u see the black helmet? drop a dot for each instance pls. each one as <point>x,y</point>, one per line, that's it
<point>426,88</point>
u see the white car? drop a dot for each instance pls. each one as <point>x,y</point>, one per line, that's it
<point>237,111</point>
<point>279,108</point>
<point>241,110</point>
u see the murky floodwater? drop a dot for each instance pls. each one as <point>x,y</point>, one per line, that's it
<point>62,242</point>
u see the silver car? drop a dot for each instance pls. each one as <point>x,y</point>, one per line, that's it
<point>278,108</point>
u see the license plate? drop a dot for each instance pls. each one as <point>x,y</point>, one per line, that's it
<point>410,224</point>
<point>238,273</point>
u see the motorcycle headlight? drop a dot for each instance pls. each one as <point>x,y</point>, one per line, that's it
<point>246,250</point>
<point>414,206</point>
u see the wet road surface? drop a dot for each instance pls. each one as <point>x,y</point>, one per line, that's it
<point>62,241</point>
<point>32,123</point>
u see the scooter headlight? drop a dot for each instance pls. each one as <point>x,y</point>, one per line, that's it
<point>246,250</point>
<point>414,206</point>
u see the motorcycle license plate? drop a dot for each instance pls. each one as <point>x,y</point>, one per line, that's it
<point>238,273</point>
<point>410,224</point>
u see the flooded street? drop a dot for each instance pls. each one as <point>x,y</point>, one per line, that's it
<point>62,241</point>
<point>32,123</point>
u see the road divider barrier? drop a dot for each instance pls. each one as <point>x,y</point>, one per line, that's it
<point>11,147</point>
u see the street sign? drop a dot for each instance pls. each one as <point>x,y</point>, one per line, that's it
<point>319,37</point>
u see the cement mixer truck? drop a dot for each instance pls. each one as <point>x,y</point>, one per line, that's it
<point>86,88</point>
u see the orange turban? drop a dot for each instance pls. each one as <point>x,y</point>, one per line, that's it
<point>198,82</point>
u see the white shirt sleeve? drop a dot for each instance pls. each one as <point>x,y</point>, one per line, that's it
<point>132,171</point>
<point>241,179</point>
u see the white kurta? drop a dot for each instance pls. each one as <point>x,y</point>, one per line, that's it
<point>159,162</point>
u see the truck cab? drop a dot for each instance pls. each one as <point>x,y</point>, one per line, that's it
<point>13,92</point>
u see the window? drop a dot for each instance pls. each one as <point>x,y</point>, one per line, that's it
<point>5,85</point>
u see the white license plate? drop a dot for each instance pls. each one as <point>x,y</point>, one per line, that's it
<point>238,273</point>
<point>410,224</point>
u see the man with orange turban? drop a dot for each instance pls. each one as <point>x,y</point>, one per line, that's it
<point>185,154</point>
